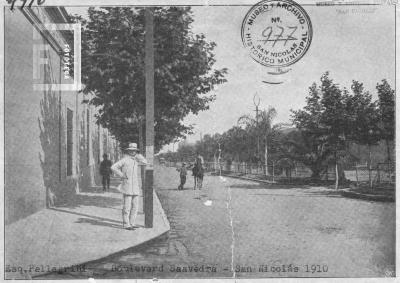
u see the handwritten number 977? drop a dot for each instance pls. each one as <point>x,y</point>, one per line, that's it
<point>267,33</point>
<point>12,2</point>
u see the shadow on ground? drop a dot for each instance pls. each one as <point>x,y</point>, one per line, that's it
<point>268,186</point>
<point>104,222</point>
<point>91,200</point>
<point>86,215</point>
<point>298,195</point>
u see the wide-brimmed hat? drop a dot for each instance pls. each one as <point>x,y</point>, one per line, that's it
<point>132,147</point>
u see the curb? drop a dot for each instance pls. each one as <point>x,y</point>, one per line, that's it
<point>163,215</point>
<point>94,261</point>
<point>370,197</point>
<point>155,238</point>
<point>149,240</point>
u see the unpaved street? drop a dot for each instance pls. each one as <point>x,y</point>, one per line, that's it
<point>252,230</point>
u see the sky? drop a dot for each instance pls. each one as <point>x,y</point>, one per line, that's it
<point>357,45</point>
<point>351,42</point>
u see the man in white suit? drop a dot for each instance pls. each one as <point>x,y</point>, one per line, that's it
<point>128,169</point>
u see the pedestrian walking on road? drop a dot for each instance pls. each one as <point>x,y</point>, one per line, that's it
<point>182,175</point>
<point>105,172</point>
<point>128,169</point>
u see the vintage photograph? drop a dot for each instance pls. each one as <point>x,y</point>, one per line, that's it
<point>251,139</point>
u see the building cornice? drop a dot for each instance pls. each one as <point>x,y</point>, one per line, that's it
<point>39,19</point>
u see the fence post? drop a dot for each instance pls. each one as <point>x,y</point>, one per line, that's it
<point>273,171</point>
<point>379,173</point>
<point>357,174</point>
<point>327,172</point>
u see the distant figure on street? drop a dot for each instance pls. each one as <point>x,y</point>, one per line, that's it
<point>182,175</point>
<point>105,172</point>
<point>198,171</point>
<point>128,169</point>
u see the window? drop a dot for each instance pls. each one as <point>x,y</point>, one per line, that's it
<point>70,143</point>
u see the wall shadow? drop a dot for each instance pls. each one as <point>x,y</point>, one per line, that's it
<point>92,217</point>
<point>52,127</point>
<point>78,200</point>
<point>49,126</point>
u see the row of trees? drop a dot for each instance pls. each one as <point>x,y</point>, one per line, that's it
<point>334,118</point>
<point>327,130</point>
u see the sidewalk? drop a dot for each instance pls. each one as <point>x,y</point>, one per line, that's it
<point>87,229</point>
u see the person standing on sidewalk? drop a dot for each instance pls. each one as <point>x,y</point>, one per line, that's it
<point>128,169</point>
<point>105,172</point>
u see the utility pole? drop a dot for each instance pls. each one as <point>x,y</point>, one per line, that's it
<point>219,157</point>
<point>149,75</point>
<point>256,101</point>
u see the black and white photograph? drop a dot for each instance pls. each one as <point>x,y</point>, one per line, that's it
<point>161,141</point>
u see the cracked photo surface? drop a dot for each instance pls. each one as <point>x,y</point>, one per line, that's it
<point>205,140</point>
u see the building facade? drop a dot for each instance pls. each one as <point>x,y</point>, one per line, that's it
<point>52,142</point>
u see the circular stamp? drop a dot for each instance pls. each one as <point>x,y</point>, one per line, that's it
<point>277,33</point>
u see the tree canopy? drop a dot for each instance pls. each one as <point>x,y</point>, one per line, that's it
<point>336,127</point>
<point>113,69</point>
<point>386,106</point>
<point>335,117</point>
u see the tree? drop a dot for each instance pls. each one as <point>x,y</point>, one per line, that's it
<point>262,126</point>
<point>335,122</point>
<point>186,151</point>
<point>113,69</point>
<point>386,114</point>
<point>363,119</point>
<point>301,146</point>
<point>310,145</point>
<point>324,122</point>
<point>208,145</point>
<point>235,144</point>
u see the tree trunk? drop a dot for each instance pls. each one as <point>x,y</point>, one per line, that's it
<point>266,157</point>
<point>369,166</point>
<point>336,172</point>
<point>357,174</point>
<point>388,150</point>
<point>141,138</point>
<point>273,171</point>
<point>337,176</point>
<point>316,172</point>
<point>215,164</point>
<point>389,159</point>
<point>143,152</point>
<point>315,175</point>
